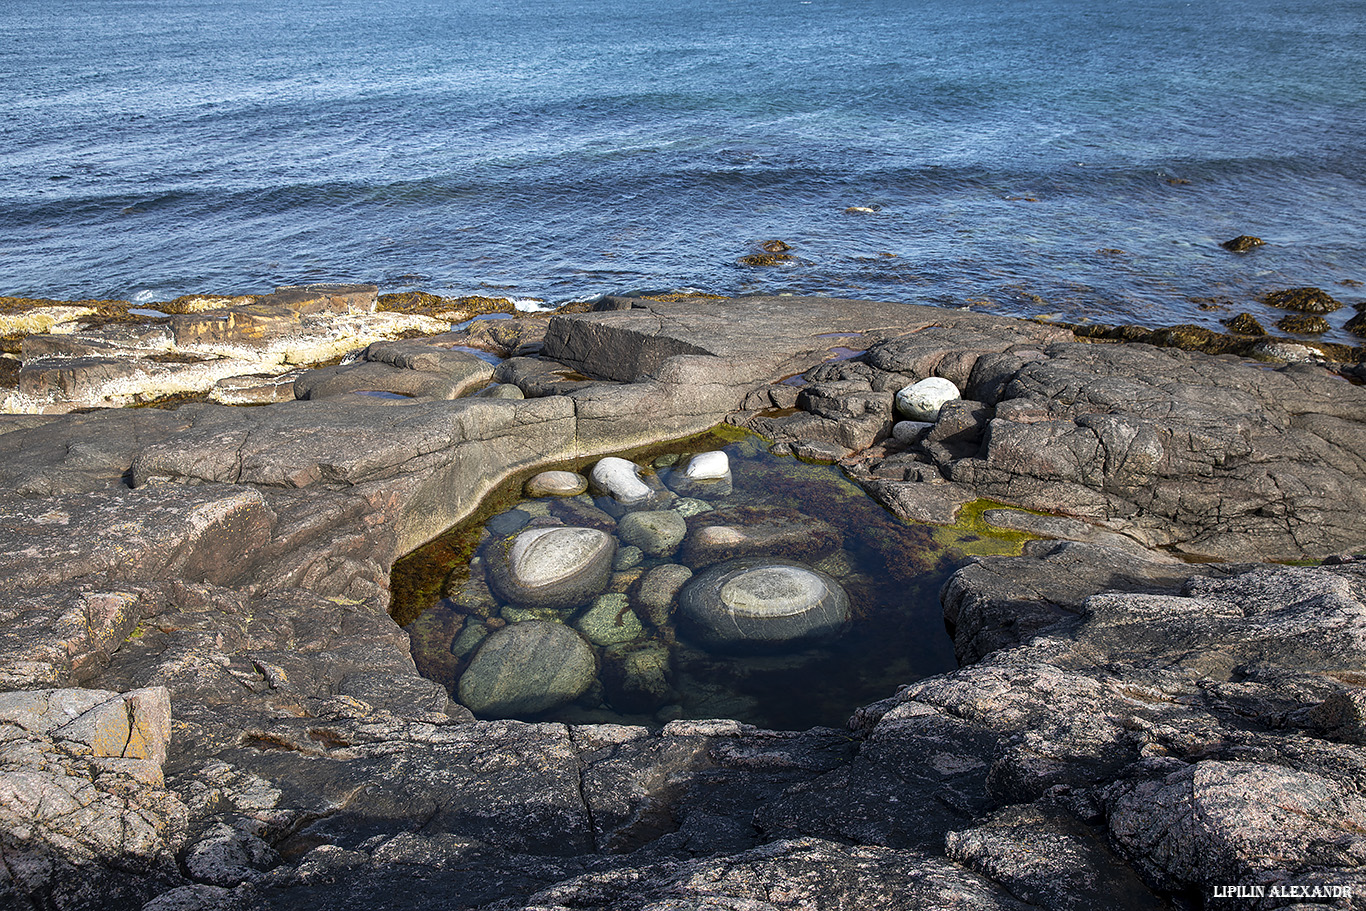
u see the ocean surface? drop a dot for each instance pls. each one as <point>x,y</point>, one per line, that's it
<point>1063,158</point>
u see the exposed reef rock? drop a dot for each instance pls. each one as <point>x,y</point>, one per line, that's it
<point>1127,730</point>
<point>1305,300</point>
<point>1242,243</point>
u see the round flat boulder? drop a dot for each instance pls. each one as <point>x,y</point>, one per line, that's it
<point>527,669</point>
<point>559,567</point>
<point>556,484</point>
<point>761,602</point>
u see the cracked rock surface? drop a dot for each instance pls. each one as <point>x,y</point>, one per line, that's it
<point>205,705</point>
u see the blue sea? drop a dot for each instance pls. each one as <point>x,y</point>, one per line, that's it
<point>1070,159</point>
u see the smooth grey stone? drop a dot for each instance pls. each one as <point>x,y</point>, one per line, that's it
<point>657,532</point>
<point>556,484</point>
<point>527,668</point>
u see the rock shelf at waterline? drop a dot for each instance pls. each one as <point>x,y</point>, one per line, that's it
<point>1126,708</point>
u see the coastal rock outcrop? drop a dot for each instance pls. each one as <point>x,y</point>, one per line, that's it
<point>1115,706</point>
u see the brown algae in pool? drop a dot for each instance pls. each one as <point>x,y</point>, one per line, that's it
<point>781,595</point>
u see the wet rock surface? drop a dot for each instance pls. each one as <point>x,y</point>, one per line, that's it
<point>1132,730</point>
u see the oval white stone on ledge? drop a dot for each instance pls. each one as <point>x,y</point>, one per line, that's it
<point>921,401</point>
<point>620,479</point>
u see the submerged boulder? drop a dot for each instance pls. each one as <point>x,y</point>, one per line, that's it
<point>610,621</point>
<point>762,602</point>
<point>527,668</point>
<point>560,567</point>
<point>750,531</point>
<point>655,531</point>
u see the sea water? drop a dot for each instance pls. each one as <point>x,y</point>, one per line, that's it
<point>1060,158</point>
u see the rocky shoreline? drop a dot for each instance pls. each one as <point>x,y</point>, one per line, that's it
<point>205,704</point>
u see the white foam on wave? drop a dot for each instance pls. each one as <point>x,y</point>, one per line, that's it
<point>145,296</point>
<point>531,305</point>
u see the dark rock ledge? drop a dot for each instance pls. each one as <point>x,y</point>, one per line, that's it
<point>204,705</point>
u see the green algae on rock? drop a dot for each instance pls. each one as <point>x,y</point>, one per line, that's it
<point>1305,300</point>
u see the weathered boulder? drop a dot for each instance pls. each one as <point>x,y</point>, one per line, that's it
<point>85,817</point>
<point>527,668</point>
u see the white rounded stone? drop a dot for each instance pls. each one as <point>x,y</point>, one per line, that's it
<point>921,401</point>
<point>707,466</point>
<point>620,479</point>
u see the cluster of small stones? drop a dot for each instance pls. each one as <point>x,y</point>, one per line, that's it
<point>577,590</point>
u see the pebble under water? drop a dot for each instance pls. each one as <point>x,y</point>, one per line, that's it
<point>891,571</point>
